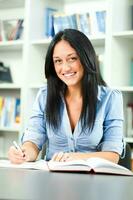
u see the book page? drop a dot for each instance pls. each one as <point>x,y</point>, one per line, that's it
<point>96,162</point>
<point>92,163</point>
<point>75,165</point>
<point>39,164</point>
<point>101,165</point>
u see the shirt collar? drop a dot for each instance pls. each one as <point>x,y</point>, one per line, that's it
<point>99,93</point>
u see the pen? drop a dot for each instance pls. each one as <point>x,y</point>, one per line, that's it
<point>17,146</point>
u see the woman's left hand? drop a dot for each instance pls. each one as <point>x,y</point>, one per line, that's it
<point>64,157</point>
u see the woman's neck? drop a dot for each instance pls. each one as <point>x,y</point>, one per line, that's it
<point>73,93</point>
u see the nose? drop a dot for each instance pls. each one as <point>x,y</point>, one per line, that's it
<point>66,66</point>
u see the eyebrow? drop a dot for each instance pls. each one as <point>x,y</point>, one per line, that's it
<point>67,55</point>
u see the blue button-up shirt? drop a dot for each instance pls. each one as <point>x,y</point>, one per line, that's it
<point>107,134</point>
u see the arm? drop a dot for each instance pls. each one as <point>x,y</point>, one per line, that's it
<point>35,134</point>
<point>63,157</point>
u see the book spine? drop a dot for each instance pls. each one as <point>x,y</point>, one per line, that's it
<point>49,22</point>
<point>57,23</point>
<point>84,23</point>
<point>101,18</point>
<point>19,30</point>
<point>93,23</point>
<point>17,111</point>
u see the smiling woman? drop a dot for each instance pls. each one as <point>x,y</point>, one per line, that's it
<point>75,114</point>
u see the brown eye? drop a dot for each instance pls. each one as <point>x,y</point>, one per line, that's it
<point>58,61</point>
<point>72,59</point>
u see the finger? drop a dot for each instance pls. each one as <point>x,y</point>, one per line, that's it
<point>65,157</point>
<point>58,156</point>
<point>17,161</point>
<point>15,156</point>
<point>18,153</point>
<point>69,159</point>
<point>54,157</point>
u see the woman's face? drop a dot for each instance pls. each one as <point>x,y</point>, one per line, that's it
<point>67,64</point>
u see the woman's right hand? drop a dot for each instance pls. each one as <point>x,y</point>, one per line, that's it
<point>16,156</point>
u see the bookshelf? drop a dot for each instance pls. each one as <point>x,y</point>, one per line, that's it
<point>11,53</point>
<point>26,56</point>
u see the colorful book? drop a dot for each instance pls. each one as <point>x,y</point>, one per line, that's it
<point>9,111</point>
<point>17,111</point>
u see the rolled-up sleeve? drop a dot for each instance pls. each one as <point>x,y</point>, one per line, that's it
<point>36,130</point>
<point>113,124</point>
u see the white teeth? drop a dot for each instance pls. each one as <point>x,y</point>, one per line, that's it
<point>69,74</point>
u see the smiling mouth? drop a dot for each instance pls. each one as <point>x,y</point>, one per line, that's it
<point>69,74</point>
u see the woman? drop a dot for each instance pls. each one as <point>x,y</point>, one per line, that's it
<point>76,113</point>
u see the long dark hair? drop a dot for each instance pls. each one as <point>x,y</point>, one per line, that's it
<point>92,78</point>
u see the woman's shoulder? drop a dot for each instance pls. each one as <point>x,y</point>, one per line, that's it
<point>42,93</point>
<point>106,91</point>
<point>42,90</point>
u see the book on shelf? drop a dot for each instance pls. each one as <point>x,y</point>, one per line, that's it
<point>49,21</point>
<point>63,21</point>
<point>92,22</point>
<point>101,21</point>
<point>93,165</point>
<point>9,111</point>
<point>11,29</point>
<point>97,22</point>
<point>17,111</point>
<point>83,22</point>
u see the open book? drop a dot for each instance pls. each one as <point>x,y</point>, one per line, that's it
<point>91,165</point>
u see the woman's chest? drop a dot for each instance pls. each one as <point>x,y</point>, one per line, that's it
<point>73,109</point>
